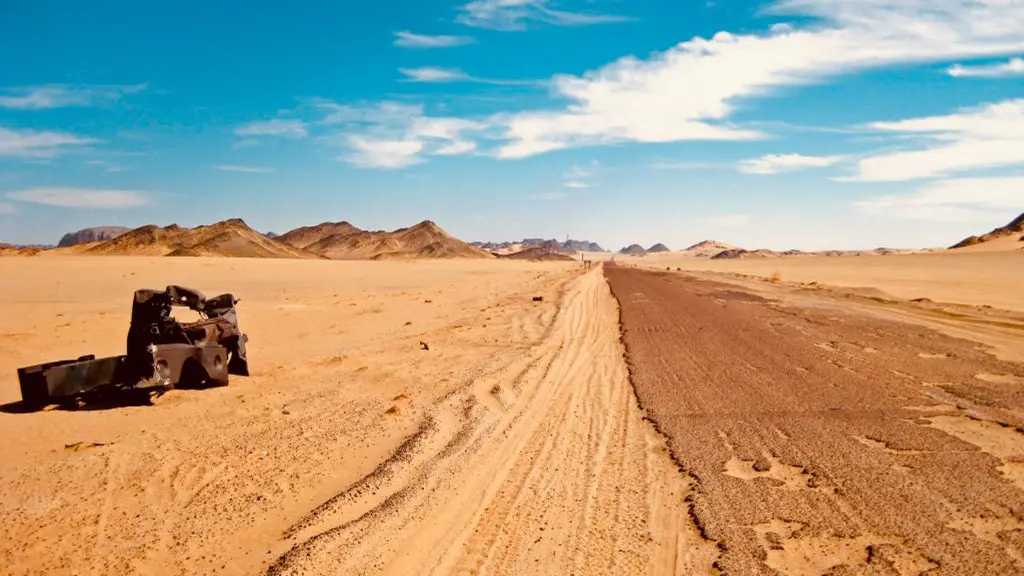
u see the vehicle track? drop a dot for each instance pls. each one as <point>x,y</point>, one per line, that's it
<point>545,466</point>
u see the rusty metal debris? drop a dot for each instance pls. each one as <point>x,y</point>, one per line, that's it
<point>161,352</point>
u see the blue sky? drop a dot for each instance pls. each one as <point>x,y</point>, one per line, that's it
<point>788,124</point>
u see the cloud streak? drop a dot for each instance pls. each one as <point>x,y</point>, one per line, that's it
<point>38,144</point>
<point>292,129</point>
<point>988,136</point>
<point>1012,67</point>
<point>392,135</point>
<point>955,200</point>
<point>406,39</point>
<point>778,163</point>
<point>510,15</point>
<point>82,198</point>
<point>433,74</point>
<point>690,91</point>
<point>64,96</point>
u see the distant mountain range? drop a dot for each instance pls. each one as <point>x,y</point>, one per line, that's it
<point>568,245</point>
<point>234,238</point>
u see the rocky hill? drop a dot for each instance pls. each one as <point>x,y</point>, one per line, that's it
<point>308,235</point>
<point>658,248</point>
<point>538,253</point>
<point>1009,237</point>
<point>95,234</point>
<point>633,250</point>
<point>424,240</point>
<point>228,238</point>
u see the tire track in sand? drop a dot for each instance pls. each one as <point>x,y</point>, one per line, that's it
<point>545,466</point>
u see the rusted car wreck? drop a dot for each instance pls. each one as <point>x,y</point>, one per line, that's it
<point>161,352</point>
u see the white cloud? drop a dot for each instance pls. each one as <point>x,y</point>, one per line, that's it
<point>407,39</point>
<point>294,129</point>
<point>443,75</point>
<point>33,144</point>
<point>6,208</point>
<point>514,14</point>
<point>237,168</point>
<point>576,184</point>
<point>689,91</point>
<point>107,165</point>
<point>984,137</point>
<point>1012,67</point>
<point>455,148</point>
<point>965,199</point>
<point>393,135</point>
<point>63,96</point>
<point>82,198</point>
<point>384,153</point>
<point>431,74</point>
<point>731,220</point>
<point>776,163</point>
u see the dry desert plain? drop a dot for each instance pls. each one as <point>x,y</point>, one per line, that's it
<point>701,423</point>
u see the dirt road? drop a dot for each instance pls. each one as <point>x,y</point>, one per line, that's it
<point>817,439</point>
<point>544,466</point>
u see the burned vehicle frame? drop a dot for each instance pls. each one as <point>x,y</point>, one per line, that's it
<point>160,353</point>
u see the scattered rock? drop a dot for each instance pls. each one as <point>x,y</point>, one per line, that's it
<point>424,345</point>
<point>538,298</point>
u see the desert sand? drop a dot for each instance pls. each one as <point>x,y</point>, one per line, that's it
<point>980,275</point>
<point>516,443</point>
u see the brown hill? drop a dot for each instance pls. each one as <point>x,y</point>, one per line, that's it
<point>1009,237</point>
<point>12,250</point>
<point>741,254</point>
<point>658,248</point>
<point>307,235</point>
<point>633,250</point>
<point>228,238</point>
<point>94,234</point>
<point>424,240</point>
<point>538,253</point>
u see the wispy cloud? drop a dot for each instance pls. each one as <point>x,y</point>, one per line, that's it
<point>238,168</point>
<point>581,176</point>
<point>391,135</point>
<point>988,136</point>
<point>82,198</point>
<point>955,200</point>
<point>33,144</point>
<point>6,208</point>
<point>64,96</point>
<point>384,153</point>
<point>689,92</point>
<point>693,165</point>
<point>515,14</point>
<point>407,39</point>
<point>1012,67</point>
<point>443,75</point>
<point>777,163</point>
<point>292,128</point>
<point>431,74</point>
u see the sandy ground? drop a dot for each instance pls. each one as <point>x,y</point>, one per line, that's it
<point>514,444</point>
<point>820,439</point>
<point>981,277</point>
